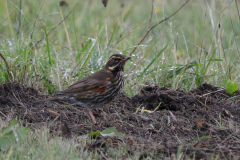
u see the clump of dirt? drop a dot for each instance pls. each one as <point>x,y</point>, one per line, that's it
<point>158,120</point>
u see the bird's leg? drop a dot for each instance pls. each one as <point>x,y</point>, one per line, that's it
<point>92,117</point>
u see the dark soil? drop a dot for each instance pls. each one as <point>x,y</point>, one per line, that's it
<point>204,122</point>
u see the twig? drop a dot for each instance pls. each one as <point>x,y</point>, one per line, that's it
<point>53,121</point>
<point>56,26</point>
<point>24,74</point>
<point>226,139</point>
<point>231,98</point>
<point>237,11</point>
<point>7,18</point>
<point>233,32</point>
<point>213,92</point>
<point>150,28</point>
<point>4,61</point>
<point>8,69</point>
<point>198,100</point>
<point>126,35</point>
<point>173,116</point>
<point>3,114</point>
<point>18,99</point>
<point>145,110</point>
<point>102,154</point>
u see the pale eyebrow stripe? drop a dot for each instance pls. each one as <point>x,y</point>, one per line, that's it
<point>112,57</point>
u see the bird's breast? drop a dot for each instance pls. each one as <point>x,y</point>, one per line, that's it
<point>113,86</point>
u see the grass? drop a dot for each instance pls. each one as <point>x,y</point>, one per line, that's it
<point>40,145</point>
<point>201,45</point>
<point>201,31</point>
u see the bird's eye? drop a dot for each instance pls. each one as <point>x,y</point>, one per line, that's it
<point>116,59</point>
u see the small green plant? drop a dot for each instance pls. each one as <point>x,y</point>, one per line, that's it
<point>107,132</point>
<point>201,138</point>
<point>220,124</point>
<point>231,87</point>
<point>12,134</point>
<point>200,69</point>
<point>179,154</point>
<point>153,60</point>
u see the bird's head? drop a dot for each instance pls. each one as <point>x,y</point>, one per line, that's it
<point>116,63</point>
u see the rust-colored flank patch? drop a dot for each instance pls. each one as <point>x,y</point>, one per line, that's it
<point>99,89</point>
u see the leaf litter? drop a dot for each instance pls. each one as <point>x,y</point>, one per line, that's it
<point>156,122</point>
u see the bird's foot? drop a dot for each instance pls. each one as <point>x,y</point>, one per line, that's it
<point>90,114</point>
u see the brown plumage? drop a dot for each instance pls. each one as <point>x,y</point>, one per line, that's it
<point>97,89</point>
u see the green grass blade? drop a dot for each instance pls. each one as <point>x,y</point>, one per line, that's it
<point>209,61</point>
<point>154,59</point>
<point>48,49</point>
<point>94,57</point>
<point>83,49</point>
<point>88,56</point>
<point>180,69</point>
<point>205,67</point>
<point>111,38</point>
<point>75,31</point>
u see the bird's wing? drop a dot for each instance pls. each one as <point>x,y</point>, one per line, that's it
<point>93,83</point>
<point>80,88</point>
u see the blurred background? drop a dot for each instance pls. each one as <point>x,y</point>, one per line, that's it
<point>51,44</point>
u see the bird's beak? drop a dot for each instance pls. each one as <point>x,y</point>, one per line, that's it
<point>125,59</point>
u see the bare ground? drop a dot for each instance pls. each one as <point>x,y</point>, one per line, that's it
<point>205,121</point>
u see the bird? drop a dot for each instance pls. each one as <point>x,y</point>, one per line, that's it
<point>98,89</point>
